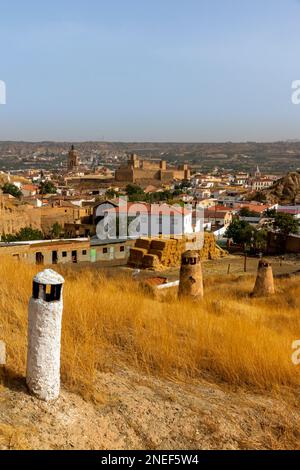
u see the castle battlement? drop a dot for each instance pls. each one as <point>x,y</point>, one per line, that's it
<point>138,170</point>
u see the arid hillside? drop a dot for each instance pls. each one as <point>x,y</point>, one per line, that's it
<point>284,191</point>
<point>143,373</point>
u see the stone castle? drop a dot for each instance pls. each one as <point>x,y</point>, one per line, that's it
<point>138,171</point>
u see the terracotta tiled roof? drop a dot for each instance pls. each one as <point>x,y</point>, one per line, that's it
<point>153,209</point>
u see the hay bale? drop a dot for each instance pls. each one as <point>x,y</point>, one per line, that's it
<point>137,253</point>
<point>159,244</point>
<point>158,253</point>
<point>151,262</point>
<point>136,256</point>
<point>143,243</point>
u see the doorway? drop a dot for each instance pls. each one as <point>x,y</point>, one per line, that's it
<point>74,256</point>
<point>39,258</point>
<point>54,257</point>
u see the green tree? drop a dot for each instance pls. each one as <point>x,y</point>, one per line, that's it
<point>247,212</point>
<point>184,185</point>
<point>24,234</point>
<point>282,222</point>
<point>56,230</point>
<point>285,223</point>
<point>9,188</point>
<point>111,193</point>
<point>135,192</point>
<point>47,187</point>
<point>243,233</point>
<point>261,239</point>
<point>237,231</point>
<point>133,189</point>
<point>270,213</point>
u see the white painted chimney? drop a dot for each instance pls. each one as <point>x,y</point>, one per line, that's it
<point>44,335</point>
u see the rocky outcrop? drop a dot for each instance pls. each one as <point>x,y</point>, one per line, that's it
<point>284,191</point>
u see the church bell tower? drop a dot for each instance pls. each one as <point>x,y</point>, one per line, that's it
<point>73,159</point>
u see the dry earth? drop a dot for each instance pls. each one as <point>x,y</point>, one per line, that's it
<point>141,412</point>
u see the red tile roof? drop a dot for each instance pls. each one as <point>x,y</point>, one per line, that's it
<point>153,209</point>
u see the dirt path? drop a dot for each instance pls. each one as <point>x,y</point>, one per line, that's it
<point>138,412</point>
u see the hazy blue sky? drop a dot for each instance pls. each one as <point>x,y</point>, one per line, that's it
<point>165,70</point>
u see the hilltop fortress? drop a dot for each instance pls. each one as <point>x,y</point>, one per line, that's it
<point>138,171</point>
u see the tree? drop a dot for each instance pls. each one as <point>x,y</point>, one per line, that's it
<point>24,234</point>
<point>135,192</point>
<point>111,193</point>
<point>243,233</point>
<point>184,185</point>
<point>9,188</point>
<point>237,231</point>
<point>133,189</point>
<point>246,212</point>
<point>285,223</point>
<point>282,222</point>
<point>56,230</point>
<point>261,237</point>
<point>47,187</point>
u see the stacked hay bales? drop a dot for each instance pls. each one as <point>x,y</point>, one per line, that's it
<point>143,243</point>
<point>210,249</point>
<point>162,253</point>
<point>167,251</point>
<point>152,262</point>
<point>136,257</point>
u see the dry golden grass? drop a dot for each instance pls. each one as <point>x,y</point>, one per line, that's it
<point>109,322</point>
<point>13,437</point>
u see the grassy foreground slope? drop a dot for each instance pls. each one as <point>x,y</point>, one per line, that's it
<point>110,325</point>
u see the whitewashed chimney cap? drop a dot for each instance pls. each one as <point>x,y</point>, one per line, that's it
<point>48,277</point>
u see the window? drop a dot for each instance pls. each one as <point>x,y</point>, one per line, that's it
<point>84,252</point>
<point>122,248</point>
<point>64,254</point>
<point>104,250</point>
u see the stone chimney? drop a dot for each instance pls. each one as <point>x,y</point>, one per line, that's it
<point>44,335</point>
<point>191,280</point>
<point>264,284</point>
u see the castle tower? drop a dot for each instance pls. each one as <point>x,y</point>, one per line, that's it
<point>264,284</point>
<point>134,161</point>
<point>191,280</point>
<point>73,159</point>
<point>44,335</point>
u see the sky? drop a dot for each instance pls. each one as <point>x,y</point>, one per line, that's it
<point>141,70</point>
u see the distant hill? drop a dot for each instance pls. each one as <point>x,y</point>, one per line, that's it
<point>286,190</point>
<point>273,157</point>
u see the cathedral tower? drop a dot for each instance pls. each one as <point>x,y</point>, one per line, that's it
<point>73,159</point>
